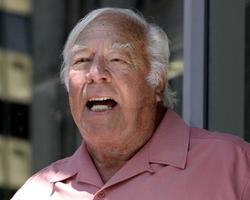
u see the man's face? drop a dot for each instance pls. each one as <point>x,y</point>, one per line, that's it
<point>111,101</point>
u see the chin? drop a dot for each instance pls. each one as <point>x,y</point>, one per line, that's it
<point>99,130</point>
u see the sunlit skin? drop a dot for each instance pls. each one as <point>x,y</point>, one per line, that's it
<point>110,61</point>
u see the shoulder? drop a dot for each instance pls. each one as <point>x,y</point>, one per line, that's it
<point>227,154</point>
<point>220,145</point>
<point>39,185</point>
<point>222,140</point>
<point>224,156</point>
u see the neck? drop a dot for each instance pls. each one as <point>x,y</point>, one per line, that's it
<point>108,161</point>
<point>109,158</point>
<point>108,169</point>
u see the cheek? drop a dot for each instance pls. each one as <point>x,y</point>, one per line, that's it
<point>138,92</point>
<point>76,83</point>
<point>76,80</point>
<point>144,91</point>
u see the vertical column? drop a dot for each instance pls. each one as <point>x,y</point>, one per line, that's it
<point>48,34</point>
<point>194,81</point>
<point>247,73</point>
<point>226,66</point>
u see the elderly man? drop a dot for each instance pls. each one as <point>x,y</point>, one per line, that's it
<point>135,146</point>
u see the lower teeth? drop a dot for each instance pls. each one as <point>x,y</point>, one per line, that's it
<point>98,108</point>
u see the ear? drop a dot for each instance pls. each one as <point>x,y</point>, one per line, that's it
<point>159,90</point>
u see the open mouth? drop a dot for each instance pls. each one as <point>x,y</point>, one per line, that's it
<point>101,104</point>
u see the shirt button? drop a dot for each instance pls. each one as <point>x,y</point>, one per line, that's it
<point>101,195</point>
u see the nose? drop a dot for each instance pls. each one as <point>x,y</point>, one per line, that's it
<point>98,72</point>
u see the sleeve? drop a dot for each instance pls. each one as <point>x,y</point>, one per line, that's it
<point>20,194</point>
<point>36,187</point>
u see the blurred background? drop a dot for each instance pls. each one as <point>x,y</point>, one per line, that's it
<point>210,71</point>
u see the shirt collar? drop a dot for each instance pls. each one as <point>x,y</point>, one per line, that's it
<point>168,146</point>
<point>79,165</point>
<point>170,142</point>
<point>64,168</point>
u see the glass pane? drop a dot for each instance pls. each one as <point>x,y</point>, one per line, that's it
<point>169,15</point>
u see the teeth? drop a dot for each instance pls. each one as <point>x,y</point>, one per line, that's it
<point>100,99</point>
<point>99,108</point>
<point>96,104</point>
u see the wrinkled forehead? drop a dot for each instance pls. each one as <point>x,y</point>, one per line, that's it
<point>117,24</point>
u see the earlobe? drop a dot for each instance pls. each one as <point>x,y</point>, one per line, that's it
<point>160,90</point>
<point>158,96</point>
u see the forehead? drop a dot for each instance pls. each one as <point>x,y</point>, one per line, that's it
<point>116,27</point>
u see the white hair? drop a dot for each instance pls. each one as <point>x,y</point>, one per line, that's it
<point>158,49</point>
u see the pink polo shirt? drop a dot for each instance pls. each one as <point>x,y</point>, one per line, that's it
<point>178,163</point>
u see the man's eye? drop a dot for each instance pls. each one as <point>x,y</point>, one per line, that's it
<point>117,60</point>
<point>82,60</point>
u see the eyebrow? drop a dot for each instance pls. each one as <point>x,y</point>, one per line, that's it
<point>119,45</point>
<point>76,48</point>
